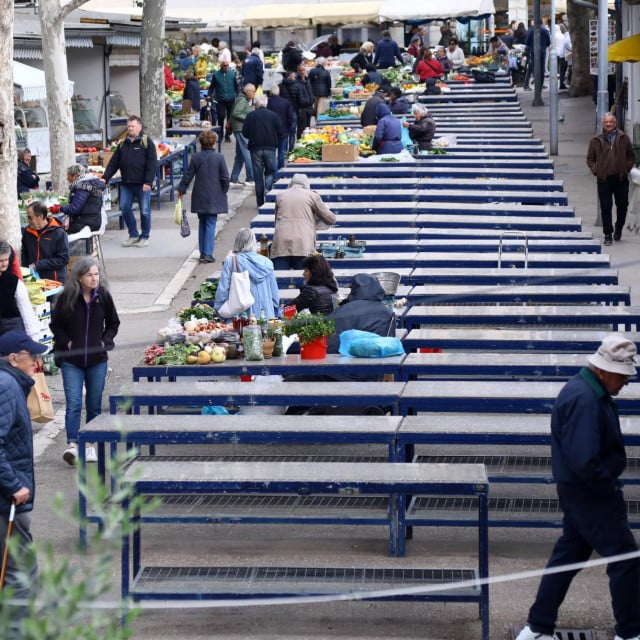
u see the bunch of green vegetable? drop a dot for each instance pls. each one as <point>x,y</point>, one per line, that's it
<point>206,291</point>
<point>437,151</point>
<point>197,311</point>
<point>174,354</point>
<point>336,113</point>
<point>311,150</point>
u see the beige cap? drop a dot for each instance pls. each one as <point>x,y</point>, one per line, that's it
<point>615,354</point>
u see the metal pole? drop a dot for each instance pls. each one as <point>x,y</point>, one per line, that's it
<point>603,90</point>
<point>553,85</point>
<point>538,71</point>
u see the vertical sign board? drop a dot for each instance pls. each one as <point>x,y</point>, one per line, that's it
<point>593,46</point>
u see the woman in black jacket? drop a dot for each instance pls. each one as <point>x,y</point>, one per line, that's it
<point>320,286</point>
<point>84,324</point>
<point>209,195</point>
<point>27,179</point>
<point>422,130</point>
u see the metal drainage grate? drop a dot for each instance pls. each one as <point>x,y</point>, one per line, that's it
<point>564,634</point>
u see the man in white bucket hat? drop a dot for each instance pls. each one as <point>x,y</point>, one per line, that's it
<point>588,457</point>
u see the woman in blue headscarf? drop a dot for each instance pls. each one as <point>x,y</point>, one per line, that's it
<point>388,135</point>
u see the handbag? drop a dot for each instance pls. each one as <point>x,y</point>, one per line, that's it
<point>240,297</point>
<point>185,229</point>
<point>39,400</point>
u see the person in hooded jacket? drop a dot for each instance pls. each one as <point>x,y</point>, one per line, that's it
<point>388,135</point>
<point>387,52</point>
<point>253,69</point>
<point>320,80</point>
<point>305,100</point>
<point>363,309</point>
<point>319,288</point>
<point>84,323</point>
<point>264,287</point>
<point>45,247</point>
<point>18,355</point>
<point>85,199</point>
<point>299,211</point>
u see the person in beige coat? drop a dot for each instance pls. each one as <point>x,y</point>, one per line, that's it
<point>299,212</point>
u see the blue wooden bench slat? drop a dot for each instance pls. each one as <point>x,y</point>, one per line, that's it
<point>518,276</point>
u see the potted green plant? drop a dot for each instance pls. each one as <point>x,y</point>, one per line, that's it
<point>312,330</point>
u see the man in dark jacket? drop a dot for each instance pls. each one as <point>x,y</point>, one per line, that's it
<point>289,90</point>
<point>27,179</point>
<point>137,161</point>
<point>320,81</point>
<point>45,246</point>
<point>253,69</point>
<point>18,354</point>
<point>387,52</point>
<point>536,57</point>
<point>224,90</point>
<point>587,459</point>
<point>284,110</point>
<point>305,100</point>
<point>191,91</point>
<point>291,56</point>
<point>610,158</point>
<point>263,130</point>
<point>368,115</point>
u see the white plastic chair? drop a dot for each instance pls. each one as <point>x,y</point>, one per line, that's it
<point>97,235</point>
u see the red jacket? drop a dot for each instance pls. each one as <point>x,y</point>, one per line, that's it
<point>429,69</point>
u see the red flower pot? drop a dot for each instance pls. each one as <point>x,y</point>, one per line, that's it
<point>314,350</point>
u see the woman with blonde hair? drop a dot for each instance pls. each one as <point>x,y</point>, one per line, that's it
<point>363,57</point>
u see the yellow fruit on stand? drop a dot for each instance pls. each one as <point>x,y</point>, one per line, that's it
<point>203,357</point>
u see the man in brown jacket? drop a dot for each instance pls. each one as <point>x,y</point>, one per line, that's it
<point>610,157</point>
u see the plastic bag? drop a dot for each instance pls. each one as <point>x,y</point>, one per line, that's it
<point>406,138</point>
<point>252,339</point>
<point>364,344</point>
<point>177,213</point>
<point>185,229</point>
<point>214,410</point>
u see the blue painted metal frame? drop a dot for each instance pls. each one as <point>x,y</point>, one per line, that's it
<point>530,276</point>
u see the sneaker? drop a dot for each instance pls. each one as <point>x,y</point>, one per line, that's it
<point>206,259</point>
<point>90,454</point>
<point>143,242</point>
<point>250,183</point>
<point>617,235</point>
<point>526,88</point>
<point>607,240</point>
<point>240,182</point>
<point>227,138</point>
<point>131,242</point>
<point>527,634</point>
<point>70,455</point>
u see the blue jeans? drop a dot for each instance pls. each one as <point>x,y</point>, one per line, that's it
<point>207,233</point>
<point>283,146</point>
<point>129,193</point>
<point>593,521</point>
<point>73,379</point>
<point>282,263</point>
<point>243,157</point>
<point>263,162</point>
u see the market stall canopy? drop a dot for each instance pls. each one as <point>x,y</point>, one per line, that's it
<point>344,12</point>
<point>625,50</point>
<point>213,17</point>
<point>400,10</point>
<point>277,15</point>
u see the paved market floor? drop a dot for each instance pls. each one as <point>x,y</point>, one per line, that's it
<point>150,284</point>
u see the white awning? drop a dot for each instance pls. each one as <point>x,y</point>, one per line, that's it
<point>399,10</point>
<point>213,17</point>
<point>334,13</point>
<point>32,81</point>
<point>277,15</point>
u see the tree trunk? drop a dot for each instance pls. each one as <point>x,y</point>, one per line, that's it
<point>61,134</point>
<point>579,16</point>
<point>9,220</point>
<point>151,68</point>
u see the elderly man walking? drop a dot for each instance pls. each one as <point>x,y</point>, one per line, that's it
<point>587,459</point>
<point>241,108</point>
<point>263,130</point>
<point>610,157</point>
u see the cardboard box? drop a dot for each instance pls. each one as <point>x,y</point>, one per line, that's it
<point>94,158</point>
<point>104,158</point>
<point>340,152</point>
<point>360,95</point>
